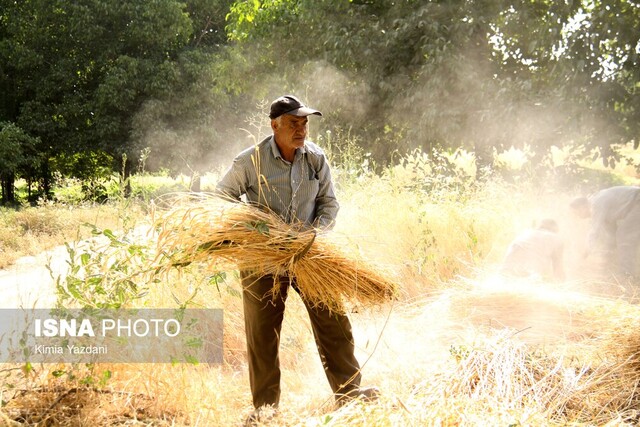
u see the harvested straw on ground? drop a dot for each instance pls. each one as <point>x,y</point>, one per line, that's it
<point>228,235</point>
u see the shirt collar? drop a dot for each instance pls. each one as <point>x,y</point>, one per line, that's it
<point>276,151</point>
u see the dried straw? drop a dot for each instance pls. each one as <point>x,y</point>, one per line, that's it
<point>226,235</point>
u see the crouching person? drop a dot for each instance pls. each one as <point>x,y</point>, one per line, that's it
<point>536,252</point>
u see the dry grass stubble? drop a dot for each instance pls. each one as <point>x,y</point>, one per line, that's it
<point>474,354</point>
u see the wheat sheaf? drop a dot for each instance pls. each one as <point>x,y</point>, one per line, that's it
<point>227,235</point>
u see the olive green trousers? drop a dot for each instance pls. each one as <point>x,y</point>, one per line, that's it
<point>263,315</point>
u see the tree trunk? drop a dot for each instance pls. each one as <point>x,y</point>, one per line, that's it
<point>125,176</point>
<point>8,191</point>
<point>46,182</point>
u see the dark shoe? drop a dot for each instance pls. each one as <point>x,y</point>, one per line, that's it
<point>366,394</point>
<point>260,416</point>
<point>369,394</point>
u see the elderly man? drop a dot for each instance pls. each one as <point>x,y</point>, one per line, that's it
<point>290,176</point>
<point>536,252</point>
<point>615,226</point>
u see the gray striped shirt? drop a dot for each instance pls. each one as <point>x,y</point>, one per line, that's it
<point>297,191</point>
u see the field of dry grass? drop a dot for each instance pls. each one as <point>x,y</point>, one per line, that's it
<point>31,230</point>
<point>462,347</point>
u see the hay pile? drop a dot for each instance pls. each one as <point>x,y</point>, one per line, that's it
<point>226,235</point>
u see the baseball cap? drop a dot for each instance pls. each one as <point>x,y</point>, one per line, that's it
<point>289,104</point>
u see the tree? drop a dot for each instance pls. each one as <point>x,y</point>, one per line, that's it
<point>17,158</point>
<point>100,80</point>
<point>483,74</point>
<point>77,72</point>
<point>602,52</point>
<point>184,127</point>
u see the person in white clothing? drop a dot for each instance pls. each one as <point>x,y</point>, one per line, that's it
<point>536,252</point>
<point>615,226</point>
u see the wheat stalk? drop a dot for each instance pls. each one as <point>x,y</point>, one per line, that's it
<point>225,235</point>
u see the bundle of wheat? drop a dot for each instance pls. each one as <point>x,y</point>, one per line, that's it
<point>227,235</point>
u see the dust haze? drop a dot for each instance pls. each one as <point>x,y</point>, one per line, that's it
<point>461,104</point>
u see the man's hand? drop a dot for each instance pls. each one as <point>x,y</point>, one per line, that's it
<point>305,249</point>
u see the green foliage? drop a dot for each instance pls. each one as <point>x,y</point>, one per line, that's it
<point>251,18</point>
<point>11,154</point>
<point>208,22</point>
<point>103,276</point>
<point>478,75</point>
<point>436,174</point>
<point>18,157</point>
<point>76,74</point>
<point>96,80</point>
<point>83,165</point>
<point>86,375</point>
<point>346,154</point>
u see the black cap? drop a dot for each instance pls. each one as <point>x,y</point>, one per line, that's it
<point>289,104</point>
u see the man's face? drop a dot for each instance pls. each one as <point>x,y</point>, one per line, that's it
<point>290,131</point>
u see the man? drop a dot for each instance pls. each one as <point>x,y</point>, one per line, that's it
<point>290,176</point>
<point>536,252</point>
<point>615,226</point>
